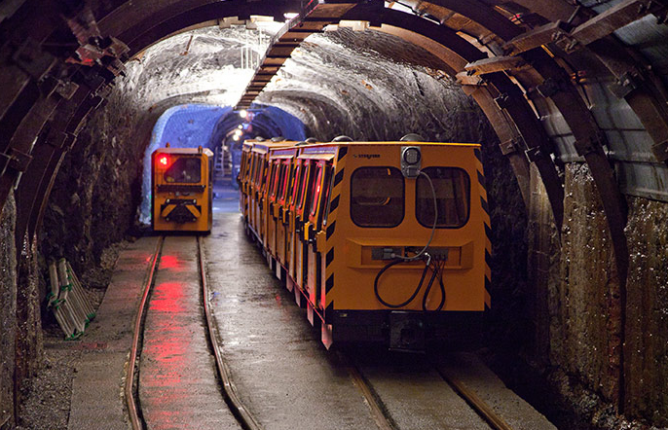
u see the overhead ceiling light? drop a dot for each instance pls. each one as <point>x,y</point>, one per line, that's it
<point>290,15</point>
<point>243,113</point>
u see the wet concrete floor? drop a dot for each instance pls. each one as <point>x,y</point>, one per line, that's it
<point>281,370</point>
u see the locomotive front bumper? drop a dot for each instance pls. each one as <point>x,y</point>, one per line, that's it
<point>409,330</point>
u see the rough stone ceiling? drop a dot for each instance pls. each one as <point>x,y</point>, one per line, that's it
<point>334,77</point>
<point>197,66</point>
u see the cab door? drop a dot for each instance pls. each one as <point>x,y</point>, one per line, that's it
<point>297,181</point>
<point>274,175</point>
<point>301,220</point>
<point>282,203</point>
<point>319,196</point>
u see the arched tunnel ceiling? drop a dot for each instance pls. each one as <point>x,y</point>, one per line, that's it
<point>197,66</point>
<point>337,77</point>
<point>560,81</point>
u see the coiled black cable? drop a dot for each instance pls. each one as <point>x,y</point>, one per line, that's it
<point>437,273</point>
<point>437,270</point>
<point>411,298</point>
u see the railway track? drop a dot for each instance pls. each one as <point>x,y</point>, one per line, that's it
<point>383,415</point>
<point>319,395</point>
<point>154,280</point>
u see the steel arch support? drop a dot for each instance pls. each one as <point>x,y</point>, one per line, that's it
<point>175,19</point>
<point>642,89</point>
<point>52,142</point>
<point>23,138</point>
<point>457,54</point>
<point>69,136</point>
<point>537,142</point>
<point>589,140</point>
<point>509,136</point>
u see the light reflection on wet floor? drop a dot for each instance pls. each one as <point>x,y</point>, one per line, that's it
<point>178,386</point>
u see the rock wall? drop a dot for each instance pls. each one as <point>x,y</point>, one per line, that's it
<point>508,323</point>
<point>29,337</point>
<point>95,197</point>
<point>586,324</point>
<point>646,352</point>
<point>577,309</point>
<point>7,311</point>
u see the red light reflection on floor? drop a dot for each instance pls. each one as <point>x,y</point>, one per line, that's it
<point>168,297</point>
<point>169,344</point>
<point>170,262</point>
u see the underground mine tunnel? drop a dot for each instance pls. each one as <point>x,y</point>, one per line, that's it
<point>567,98</point>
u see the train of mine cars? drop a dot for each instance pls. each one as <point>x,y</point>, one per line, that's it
<point>382,242</point>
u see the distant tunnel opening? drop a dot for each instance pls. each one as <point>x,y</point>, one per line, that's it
<point>220,129</point>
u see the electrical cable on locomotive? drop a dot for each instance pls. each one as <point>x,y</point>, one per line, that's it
<point>438,268</point>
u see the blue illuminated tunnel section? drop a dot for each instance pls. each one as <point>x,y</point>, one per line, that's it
<point>193,125</point>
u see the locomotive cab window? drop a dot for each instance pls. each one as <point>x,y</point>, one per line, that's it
<point>315,191</point>
<point>303,186</point>
<point>453,196</point>
<point>297,180</point>
<point>377,197</point>
<point>285,178</point>
<point>185,170</point>
<point>273,184</point>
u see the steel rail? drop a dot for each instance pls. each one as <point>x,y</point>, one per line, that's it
<point>377,409</point>
<point>240,411</point>
<point>130,369</point>
<point>476,403</point>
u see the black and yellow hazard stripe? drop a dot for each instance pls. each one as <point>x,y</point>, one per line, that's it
<point>337,186</point>
<point>488,229</point>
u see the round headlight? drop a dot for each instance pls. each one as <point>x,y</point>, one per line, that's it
<point>412,156</point>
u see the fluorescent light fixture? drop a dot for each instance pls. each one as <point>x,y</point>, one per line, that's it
<point>290,15</point>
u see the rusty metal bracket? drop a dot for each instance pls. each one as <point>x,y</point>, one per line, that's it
<point>503,101</point>
<point>62,140</point>
<point>512,146</point>
<point>626,84</point>
<point>549,87</point>
<point>30,57</point>
<point>64,88</point>
<point>15,160</point>
<point>69,140</point>
<point>536,154</point>
<point>591,145</point>
<point>660,151</point>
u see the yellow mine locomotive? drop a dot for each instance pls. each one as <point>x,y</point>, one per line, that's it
<point>182,189</point>
<point>381,241</point>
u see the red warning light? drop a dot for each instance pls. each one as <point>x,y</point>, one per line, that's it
<point>164,160</point>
